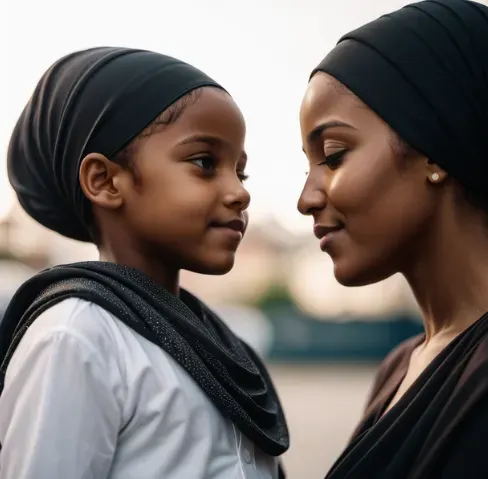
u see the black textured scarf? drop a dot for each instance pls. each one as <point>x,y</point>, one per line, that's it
<point>225,368</point>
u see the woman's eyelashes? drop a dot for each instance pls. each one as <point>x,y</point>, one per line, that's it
<point>334,160</point>
<point>242,176</point>
<point>209,165</point>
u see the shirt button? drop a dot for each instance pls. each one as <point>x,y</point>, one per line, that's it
<point>246,455</point>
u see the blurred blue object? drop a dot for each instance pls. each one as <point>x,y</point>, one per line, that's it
<point>298,337</point>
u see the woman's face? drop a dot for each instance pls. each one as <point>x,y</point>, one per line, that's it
<point>370,204</point>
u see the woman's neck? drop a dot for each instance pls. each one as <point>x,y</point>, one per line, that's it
<point>448,274</point>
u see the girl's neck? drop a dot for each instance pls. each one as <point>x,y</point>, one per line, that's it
<point>166,276</point>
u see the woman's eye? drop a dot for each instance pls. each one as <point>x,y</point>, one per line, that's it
<point>334,160</point>
<point>242,176</point>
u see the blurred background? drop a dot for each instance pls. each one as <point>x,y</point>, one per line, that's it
<point>323,341</point>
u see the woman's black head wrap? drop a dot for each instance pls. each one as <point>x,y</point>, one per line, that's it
<point>96,100</point>
<point>424,70</point>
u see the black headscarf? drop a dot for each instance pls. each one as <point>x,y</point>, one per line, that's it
<point>424,70</point>
<point>92,101</point>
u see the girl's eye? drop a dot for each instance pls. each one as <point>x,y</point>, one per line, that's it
<point>204,162</point>
<point>334,160</point>
<point>207,163</point>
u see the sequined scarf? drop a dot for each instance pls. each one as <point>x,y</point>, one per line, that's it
<point>227,369</point>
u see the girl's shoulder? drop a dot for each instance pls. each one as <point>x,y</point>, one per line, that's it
<point>78,319</point>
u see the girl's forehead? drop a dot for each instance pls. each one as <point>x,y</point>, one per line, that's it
<point>215,113</point>
<point>213,121</point>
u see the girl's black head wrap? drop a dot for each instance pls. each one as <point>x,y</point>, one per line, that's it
<point>95,100</point>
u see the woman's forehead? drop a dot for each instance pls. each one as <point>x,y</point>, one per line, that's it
<point>327,99</point>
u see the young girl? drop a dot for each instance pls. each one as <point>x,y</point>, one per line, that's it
<point>110,370</point>
<point>394,124</point>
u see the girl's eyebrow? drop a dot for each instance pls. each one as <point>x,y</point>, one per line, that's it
<point>209,140</point>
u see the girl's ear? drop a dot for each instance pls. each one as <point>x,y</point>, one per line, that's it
<point>100,180</point>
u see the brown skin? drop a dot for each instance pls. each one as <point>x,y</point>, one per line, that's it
<point>168,212</point>
<point>397,218</point>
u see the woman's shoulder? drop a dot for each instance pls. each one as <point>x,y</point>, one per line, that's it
<point>394,362</point>
<point>476,366</point>
<point>398,354</point>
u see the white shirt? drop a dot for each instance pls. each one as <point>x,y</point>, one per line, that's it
<point>86,397</point>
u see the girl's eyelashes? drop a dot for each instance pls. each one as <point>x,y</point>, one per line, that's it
<point>205,162</point>
<point>208,164</point>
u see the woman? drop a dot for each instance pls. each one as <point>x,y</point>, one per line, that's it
<point>394,124</point>
<point>110,369</point>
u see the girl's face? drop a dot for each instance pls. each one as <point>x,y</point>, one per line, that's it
<point>370,206</point>
<point>185,204</point>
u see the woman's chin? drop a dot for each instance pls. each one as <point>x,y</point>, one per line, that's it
<point>351,275</point>
<point>349,281</point>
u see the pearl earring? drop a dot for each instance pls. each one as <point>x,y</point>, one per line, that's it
<point>435,177</point>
